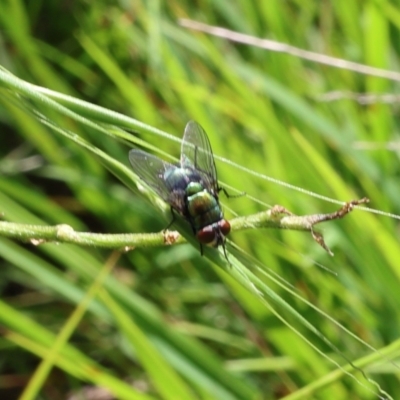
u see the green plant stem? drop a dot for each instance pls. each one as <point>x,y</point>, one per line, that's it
<point>277,217</point>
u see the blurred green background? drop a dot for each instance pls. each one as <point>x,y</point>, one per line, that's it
<point>167,323</point>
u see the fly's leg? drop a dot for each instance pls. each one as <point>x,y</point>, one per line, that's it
<point>172,221</point>
<point>230,196</point>
<point>226,255</point>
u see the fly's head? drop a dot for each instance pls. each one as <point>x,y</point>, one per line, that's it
<point>214,234</point>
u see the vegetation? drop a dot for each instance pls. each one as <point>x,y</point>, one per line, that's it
<point>82,83</point>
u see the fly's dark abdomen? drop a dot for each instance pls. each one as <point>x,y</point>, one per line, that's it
<point>180,178</point>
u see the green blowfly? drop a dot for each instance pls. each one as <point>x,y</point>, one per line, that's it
<point>191,187</point>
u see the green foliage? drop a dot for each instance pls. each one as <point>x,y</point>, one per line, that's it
<point>165,322</point>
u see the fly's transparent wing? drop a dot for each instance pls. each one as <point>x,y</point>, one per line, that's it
<point>196,153</point>
<point>151,170</point>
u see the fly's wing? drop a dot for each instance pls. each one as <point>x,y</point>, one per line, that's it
<point>151,170</point>
<point>196,153</point>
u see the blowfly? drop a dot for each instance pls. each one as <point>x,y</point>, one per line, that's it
<point>190,188</point>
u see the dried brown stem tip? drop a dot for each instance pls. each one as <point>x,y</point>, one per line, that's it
<point>318,218</point>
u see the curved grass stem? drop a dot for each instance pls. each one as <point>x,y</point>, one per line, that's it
<point>277,217</point>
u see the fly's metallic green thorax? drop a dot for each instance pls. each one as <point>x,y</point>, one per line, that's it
<point>203,209</point>
<point>190,188</point>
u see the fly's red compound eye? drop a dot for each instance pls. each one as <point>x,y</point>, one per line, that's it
<point>224,226</point>
<point>206,235</point>
<point>213,235</point>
